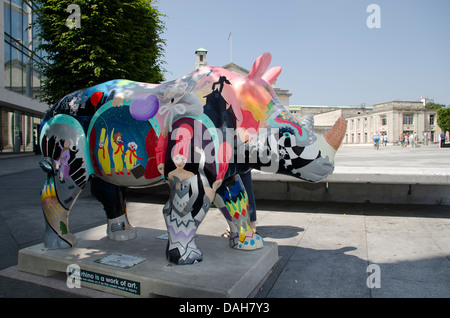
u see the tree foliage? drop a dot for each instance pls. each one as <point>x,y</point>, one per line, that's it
<point>431,105</point>
<point>443,119</point>
<point>116,39</point>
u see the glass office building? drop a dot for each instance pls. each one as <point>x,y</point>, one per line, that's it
<point>20,110</point>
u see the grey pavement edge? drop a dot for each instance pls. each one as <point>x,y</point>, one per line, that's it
<point>326,249</point>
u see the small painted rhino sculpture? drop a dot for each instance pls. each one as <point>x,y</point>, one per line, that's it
<point>197,133</point>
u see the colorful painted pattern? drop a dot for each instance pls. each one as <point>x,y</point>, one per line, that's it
<point>232,201</point>
<point>188,133</point>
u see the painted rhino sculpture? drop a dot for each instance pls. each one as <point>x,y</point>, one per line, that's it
<point>197,133</point>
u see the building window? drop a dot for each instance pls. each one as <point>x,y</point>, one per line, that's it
<point>432,118</point>
<point>408,119</point>
<point>21,75</point>
<point>19,131</point>
<point>383,120</point>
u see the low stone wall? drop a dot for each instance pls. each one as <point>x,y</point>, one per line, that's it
<point>354,185</point>
<point>360,185</point>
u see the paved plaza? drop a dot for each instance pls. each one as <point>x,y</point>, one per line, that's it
<point>326,249</point>
<point>393,156</point>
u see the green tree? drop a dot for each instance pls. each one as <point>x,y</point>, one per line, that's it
<point>431,105</point>
<point>443,119</point>
<point>112,39</point>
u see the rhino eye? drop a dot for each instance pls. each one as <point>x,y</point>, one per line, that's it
<point>286,132</point>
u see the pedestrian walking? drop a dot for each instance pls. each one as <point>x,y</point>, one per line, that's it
<point>412,139</point>
<point>442,139</point>
<point>376,140</point>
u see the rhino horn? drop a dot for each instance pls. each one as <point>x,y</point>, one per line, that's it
<point>335,136</point>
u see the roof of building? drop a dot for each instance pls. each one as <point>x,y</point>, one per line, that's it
<point>233,65</point>
<point>326,106</point>
<point>401,101</point>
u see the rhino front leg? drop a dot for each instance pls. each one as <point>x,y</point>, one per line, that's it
<point>182,220</point>
<point>232,200</point>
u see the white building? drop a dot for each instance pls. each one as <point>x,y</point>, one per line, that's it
<point>394,119</point>
<point>390,118</point>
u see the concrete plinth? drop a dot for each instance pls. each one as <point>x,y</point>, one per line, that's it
<point>224,272</point>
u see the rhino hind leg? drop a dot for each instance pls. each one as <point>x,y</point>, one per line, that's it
<point>63,146</point>
<point>53,240</point>
<point>56,201</point>
<point>232,200</point>
<point>113,199</point>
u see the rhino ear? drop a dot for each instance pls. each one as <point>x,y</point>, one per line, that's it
<point>260,66</point>
<point>272,74</point>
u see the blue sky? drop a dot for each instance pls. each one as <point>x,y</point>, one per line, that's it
<point>328,54</point>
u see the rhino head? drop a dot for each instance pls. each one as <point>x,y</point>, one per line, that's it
<point>274,140</point>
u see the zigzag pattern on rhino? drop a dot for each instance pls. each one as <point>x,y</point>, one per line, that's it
<point>191,133</point>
